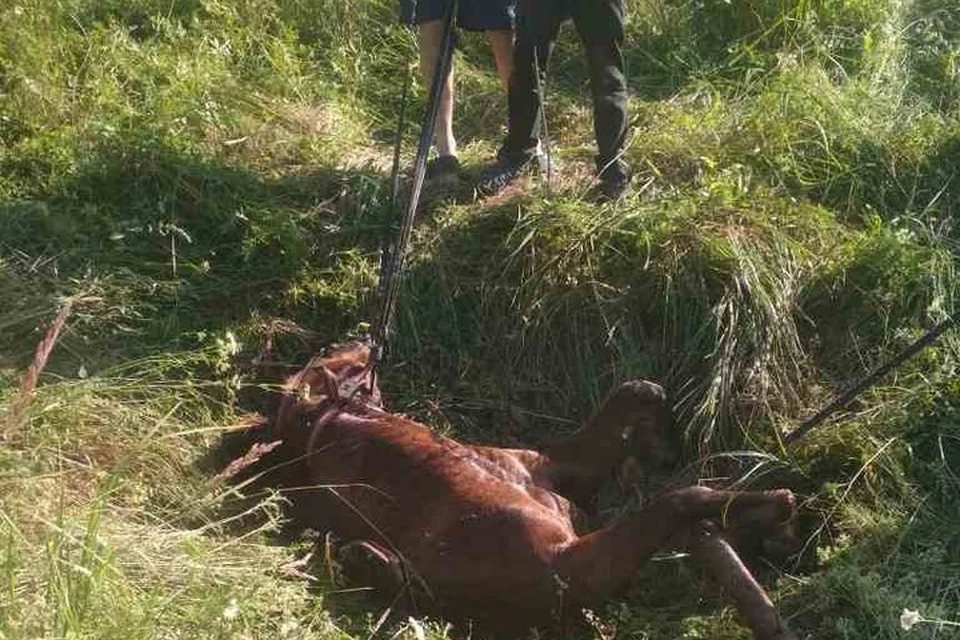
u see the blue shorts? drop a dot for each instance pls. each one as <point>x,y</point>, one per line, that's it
<point>474,15</point>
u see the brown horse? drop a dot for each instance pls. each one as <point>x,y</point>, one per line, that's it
<point>495,536</point>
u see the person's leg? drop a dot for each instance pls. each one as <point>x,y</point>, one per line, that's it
<point>431,41</point>
<point>498,19</point>
<point>501,43</point>
<point>538,25</point>
<point>600,26</point>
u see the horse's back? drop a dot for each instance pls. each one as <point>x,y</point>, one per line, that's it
<point>397,479</point>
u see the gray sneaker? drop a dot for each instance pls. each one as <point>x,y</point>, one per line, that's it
<point>506,169</point>
<point>611,188</point>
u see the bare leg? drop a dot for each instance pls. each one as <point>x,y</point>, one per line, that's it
<point>501,43</point>
<point>720,560</point>
<point>431,40</point>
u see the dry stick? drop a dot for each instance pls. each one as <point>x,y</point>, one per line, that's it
<point>28,383</point>
<point>725,566</point>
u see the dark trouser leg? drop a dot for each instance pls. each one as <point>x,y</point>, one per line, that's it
<point>600,26</point>
<point>538,23</point>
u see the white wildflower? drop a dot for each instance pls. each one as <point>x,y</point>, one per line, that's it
<point>289,626</point>
<point>229,344</point>
<point>417,629</point>
<point>786,60</point>
<point>908,618</point>
<point>232,610</point>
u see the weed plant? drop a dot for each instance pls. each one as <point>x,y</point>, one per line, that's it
<point>199,178</point>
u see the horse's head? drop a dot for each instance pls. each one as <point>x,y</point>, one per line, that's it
<point>342,372</point>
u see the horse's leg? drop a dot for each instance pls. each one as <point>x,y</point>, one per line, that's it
<point>630,425</point>
<point>367,564</point>
<point>595,566</point>
<point>723,564</point>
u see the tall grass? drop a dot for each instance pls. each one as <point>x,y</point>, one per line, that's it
<point>207,174</point>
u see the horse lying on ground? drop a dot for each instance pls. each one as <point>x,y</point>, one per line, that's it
<point>495,536</point>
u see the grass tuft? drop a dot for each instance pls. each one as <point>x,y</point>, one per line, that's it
<point>210,179</point>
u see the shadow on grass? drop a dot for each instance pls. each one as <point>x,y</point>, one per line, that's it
<point>137,18</point>
<point>176,244</point>
<point>888,186</point>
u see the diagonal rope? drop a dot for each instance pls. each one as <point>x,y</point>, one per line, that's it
<point>394,257</point>
<point>872,378</point>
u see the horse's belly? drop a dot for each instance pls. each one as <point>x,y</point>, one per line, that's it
<point>409,484</point>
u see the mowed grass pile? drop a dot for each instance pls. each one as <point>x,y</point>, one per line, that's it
<point>197,176</point>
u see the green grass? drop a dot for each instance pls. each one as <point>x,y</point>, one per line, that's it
<point>200,175</point>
